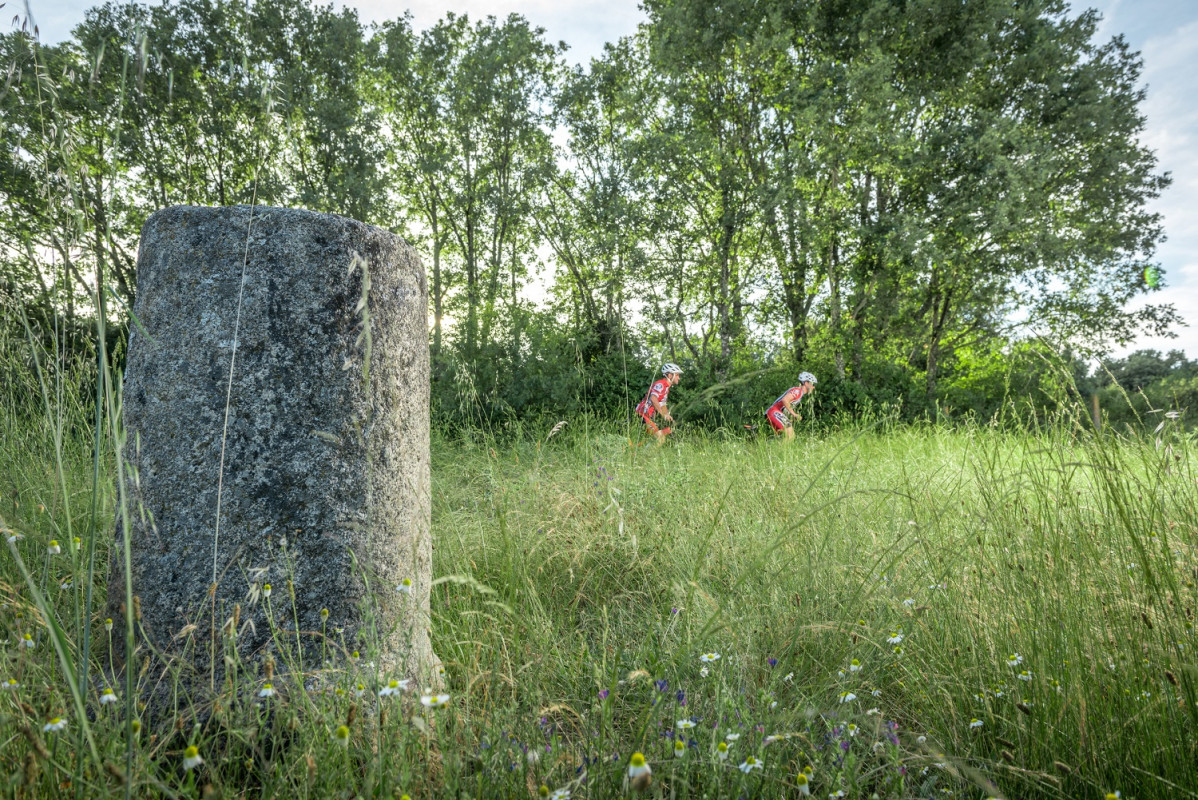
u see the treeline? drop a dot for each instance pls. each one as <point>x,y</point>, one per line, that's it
<point>869,189</point>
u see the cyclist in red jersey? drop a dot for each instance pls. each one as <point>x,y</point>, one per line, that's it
<point>782,410</point>
<point>655,401</point>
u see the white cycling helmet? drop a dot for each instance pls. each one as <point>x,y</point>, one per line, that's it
<point>666,369</point>
<point>805,377</point>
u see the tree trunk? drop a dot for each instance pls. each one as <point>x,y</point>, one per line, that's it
<point>834,316</point>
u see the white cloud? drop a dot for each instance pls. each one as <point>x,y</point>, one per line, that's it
<point>1166,34</point>
<point>1172,131</point>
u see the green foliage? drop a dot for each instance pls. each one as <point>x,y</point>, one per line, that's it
<point>558,375</point>
<point>865,187</point>
<point>1138,370</point>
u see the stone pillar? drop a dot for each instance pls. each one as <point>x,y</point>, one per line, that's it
<point>325,486</point>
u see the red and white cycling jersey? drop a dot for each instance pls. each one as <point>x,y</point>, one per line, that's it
<point>792,395</point>
<point>659,391</point>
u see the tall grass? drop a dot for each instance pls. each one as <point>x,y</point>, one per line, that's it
<point>904,610</point>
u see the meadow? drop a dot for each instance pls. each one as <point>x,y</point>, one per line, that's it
<point>877,610</point>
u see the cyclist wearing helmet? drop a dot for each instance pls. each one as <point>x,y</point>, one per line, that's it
<point>784,405</point>
<point>655,401</point>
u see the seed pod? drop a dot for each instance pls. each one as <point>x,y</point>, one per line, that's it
<point>31,769</point>
<point>35,741</point>
<point>641,782</point>
<point>115,772</point>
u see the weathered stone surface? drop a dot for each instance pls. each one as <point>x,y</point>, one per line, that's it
<point>325,491</point>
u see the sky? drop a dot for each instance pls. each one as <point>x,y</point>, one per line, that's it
<point>1164,31</point>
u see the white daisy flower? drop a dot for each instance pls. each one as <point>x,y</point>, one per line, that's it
<point>803,784</point>
<point>405,586</point>
<point>54,547</point>
<point>434,700</point>
<point>896,637</point>
<point>107,696</point>
<point>708,658</point>
<point>975,723</point>
<point>268,690</point>
<point>854,666</point>
<point>1014,660</point>
<point>751,764</point>
<point>684,724</point>
<point>790,676</point>
<point>679,748</point>
<point>55,725</point>
<point>341,735</point>
<point>394,687</point>
<point>721,751</point>
<point>1024,675</point>
<point>27,641</point>
<point>560,794</point>
<point>191,758</point>
<point>910,601</point>
<point>637,766</point>
<point>265,593</point>
<point>847,697</point>
<point>731,737</point>
<point>11,683</point>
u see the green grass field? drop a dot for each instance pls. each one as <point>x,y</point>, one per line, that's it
<point>897,612</point>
